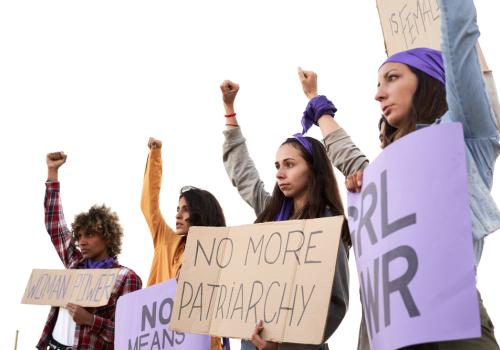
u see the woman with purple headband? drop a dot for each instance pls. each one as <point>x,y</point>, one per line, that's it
<point>415,90</point>
<point>305,189</point>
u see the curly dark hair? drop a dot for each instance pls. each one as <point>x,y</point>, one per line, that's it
<point>102,221</point>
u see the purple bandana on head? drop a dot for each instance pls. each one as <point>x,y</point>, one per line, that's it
<point>427,60</point>
<point>304,142</point>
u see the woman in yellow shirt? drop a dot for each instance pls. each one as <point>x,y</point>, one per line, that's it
<point>196,207</point>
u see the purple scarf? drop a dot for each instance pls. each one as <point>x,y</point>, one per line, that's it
<point>99,264</point>
<point>286,210</point>
<point>316,107</point>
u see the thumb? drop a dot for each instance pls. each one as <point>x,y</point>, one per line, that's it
<point>359,178</point>
<point>302,74</point>
<point>225,86</point>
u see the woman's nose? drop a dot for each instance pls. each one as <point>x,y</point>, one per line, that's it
<point>380,95</point>
<point>280,174</point>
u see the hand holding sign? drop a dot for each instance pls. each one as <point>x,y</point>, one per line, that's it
<point>259,342</point>
<point>80,315</point>
<point>354,182</point>
<point>309,81</point>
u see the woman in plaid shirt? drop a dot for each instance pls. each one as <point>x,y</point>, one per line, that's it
<point>97,234</point>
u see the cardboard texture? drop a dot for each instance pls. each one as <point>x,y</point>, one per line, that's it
<point>408,24</point>
<point>84,287</point>
<point>280,272</point>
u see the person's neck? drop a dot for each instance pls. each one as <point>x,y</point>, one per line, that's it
<point>100,258</point>
<point>298,204</point>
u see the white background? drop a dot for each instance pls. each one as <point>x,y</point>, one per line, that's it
<point>97,78</point>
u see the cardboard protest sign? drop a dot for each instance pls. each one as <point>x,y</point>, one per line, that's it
<point>143,317</point>
<point>279,272</point>
<point>412,241</point>
<point>408,24</point>
<point>84,287</point>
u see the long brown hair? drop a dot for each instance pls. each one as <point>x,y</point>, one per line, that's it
<point>322,187</point>
<point>204,209</point>
<point>386,132</point>
<point>428,104</point>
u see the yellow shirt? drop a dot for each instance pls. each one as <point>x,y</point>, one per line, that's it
<point>168,246</point>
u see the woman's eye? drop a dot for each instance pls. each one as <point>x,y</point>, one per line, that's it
<point>392,77</point>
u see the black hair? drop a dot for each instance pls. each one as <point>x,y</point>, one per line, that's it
<point>204,209</point>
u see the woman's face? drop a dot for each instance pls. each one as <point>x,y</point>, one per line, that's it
<point>396,86</point>
<point>182,223</point>
<point>92,245</point>
<point>292,172</point>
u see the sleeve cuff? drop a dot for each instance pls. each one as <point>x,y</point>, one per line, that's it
<point>233,136</point>
<point>97,325</point>
<point>53,186</point>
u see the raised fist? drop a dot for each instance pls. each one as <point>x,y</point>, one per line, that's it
<point>309,81</point>
<point>154,143</point>
<point>229,91</point>
<point>55,160</point>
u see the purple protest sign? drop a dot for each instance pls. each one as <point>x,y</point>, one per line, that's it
<point>412,240</point>
<point>142,321</point>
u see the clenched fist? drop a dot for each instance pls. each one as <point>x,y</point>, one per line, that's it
<point>55,160</point>
<point>154,143</point>
<point>309,81</point>
<point>229,91</point>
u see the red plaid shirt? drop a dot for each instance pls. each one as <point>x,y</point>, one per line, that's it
<point>101,334</point>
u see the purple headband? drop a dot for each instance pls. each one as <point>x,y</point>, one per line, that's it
<point>304,142</point>
<point>427,60</point>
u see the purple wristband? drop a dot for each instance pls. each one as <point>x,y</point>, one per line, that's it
<point>317,107</point>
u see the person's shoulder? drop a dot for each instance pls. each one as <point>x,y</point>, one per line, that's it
<point>126,274</point>
<point>125,271</point>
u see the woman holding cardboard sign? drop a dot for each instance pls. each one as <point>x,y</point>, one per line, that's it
<point>93,242</point>
<point>414,90</point>
<point>305,188</point>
